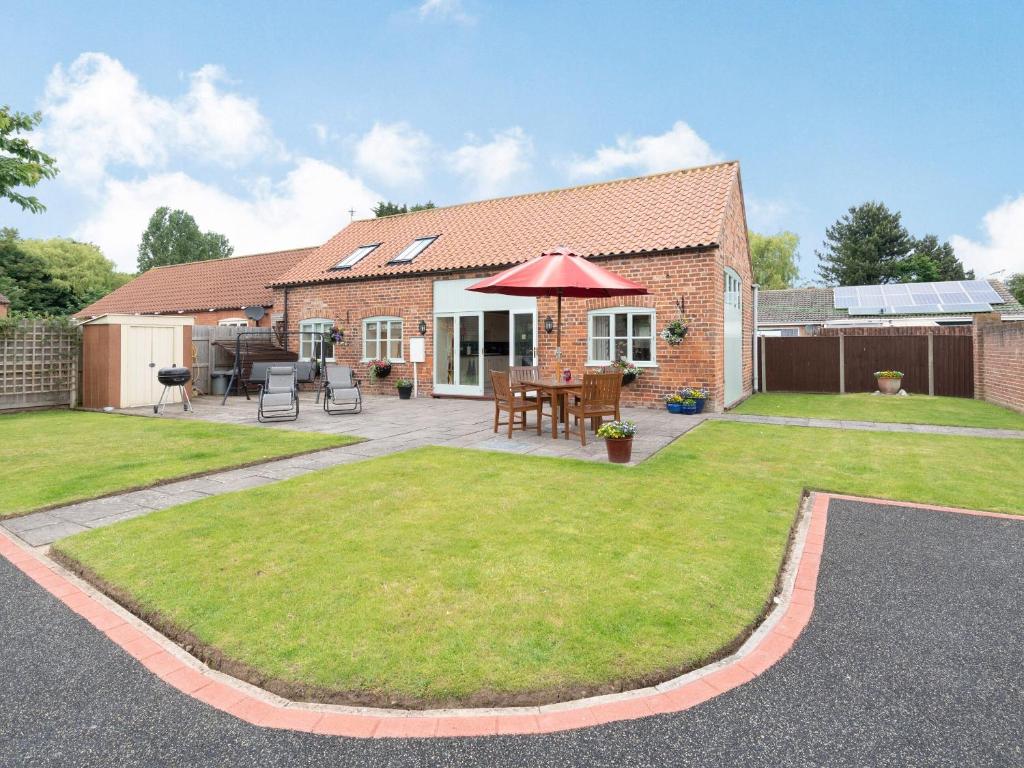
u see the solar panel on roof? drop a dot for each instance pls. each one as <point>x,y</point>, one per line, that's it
<point>917,298</point>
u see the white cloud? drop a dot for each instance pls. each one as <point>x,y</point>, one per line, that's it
<point>766,215</point>
<point>679,147</point>
<point>445,10</point>
<point>96,115</point>
<point>395,153</point>
<point>491,167</point>
<point>308,206</point>
<point>1003,248</point>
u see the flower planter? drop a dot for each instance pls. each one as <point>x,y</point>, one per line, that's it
<point>688,408</point>
<point>628,378</point>
<point>700,401</point>
<point>381,372</point>
<point>674,407</point>
<point>889,386</point>
<point>619,450</point>
<point>404,393</point>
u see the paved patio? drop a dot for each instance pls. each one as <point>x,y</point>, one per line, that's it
<point>394,425</point>
<point>387,423</point>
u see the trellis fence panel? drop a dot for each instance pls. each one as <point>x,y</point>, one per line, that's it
<point>38,364</point>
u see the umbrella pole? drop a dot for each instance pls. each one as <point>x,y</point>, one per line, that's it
<point>558,338</point>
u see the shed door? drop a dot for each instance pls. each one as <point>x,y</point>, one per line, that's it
<point>733,337</point>
<point>147,349</point>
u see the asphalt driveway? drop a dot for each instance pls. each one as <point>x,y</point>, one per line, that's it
<point>913,657</point>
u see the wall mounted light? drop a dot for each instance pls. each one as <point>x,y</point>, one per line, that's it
<point>549,324</point>
<point>423,327</point>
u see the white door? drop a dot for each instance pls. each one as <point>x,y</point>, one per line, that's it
<point>147,350</point>
<point>459,354</point>
<point>733,337</point>
<point>522,332</point>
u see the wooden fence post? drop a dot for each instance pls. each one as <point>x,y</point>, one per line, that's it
<point>931,364</point>
<point>842,364</point>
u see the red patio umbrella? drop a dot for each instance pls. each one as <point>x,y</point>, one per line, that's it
<point>558,273</point>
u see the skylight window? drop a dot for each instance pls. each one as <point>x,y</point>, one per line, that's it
<point>356,256</point>
<point>414,249</point>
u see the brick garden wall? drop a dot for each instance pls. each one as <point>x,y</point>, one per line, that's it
<point>999,361</point>
<point>694,276</point>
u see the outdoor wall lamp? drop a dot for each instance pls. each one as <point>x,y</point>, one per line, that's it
<point>549,324</point>
<point>423,327</point>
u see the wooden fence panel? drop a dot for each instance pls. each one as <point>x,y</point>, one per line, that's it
<point>207,358</point>
<point>866,354</point>
<point>38,364</point>
<point>954,365</point>
<point>799,364</point>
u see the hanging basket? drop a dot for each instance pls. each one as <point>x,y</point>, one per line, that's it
<point>675,332</point>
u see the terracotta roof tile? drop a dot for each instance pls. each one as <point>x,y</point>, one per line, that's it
<point>666,211</point>
<point>240,281</point>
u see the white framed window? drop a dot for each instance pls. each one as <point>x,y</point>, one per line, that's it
<point>625,332</point>
<point>234,322</point>
<point>733,294</point>
<point>382,339</point>
<point>414,249</point>
<point>314,341</point>
<point>356,256</point>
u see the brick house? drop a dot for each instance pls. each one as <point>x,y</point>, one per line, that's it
<point>231,291</point>
<point>5,305</point>
<point>682,234</point>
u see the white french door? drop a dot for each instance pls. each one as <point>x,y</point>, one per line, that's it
<point>459,353</point>
<point>522,333</point>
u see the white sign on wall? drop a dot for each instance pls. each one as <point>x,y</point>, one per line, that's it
<point>417,350</point>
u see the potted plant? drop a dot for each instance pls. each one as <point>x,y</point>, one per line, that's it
<point>630,372</point>
<point>889,382</point>
<point>404,387</point>
<point>688,406</point>
<point>675,332</point>
<point>618,439</point>
<point>379,369</point>
<point>674,403</point>
<point>698,394</point>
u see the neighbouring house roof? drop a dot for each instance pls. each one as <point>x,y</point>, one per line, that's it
<point>813,306</point>
<point>663,212</point>
<point>239,281</point>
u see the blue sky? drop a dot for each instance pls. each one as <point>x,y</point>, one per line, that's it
<point>268,121</point>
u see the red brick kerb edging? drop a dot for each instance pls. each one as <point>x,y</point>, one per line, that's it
<point>769,643</point>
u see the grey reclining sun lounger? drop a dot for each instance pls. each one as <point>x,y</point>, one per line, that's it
<point>341,390</point>
<point>279,395</point>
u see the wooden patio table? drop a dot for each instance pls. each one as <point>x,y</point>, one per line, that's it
<point>557,389</point>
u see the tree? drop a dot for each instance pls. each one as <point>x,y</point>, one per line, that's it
<point>1016,285</point>
<point>20,164</point>
<point>387,208</point>
<point>173,237</point>
<point>26,281</point>
<point>80,267</point>
<point>864,247</point>
<point>944,265</point>
<point>774,258</point>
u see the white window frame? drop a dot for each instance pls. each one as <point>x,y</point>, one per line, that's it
<point>234,322</point>
<point>384,323</point>
<point>610,314</point>
<point>414,249</point>
<point>314,325</point>
<point>356,256</point>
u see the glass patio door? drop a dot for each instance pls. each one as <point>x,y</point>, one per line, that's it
<point>459,354</point>
<point>522,331</point>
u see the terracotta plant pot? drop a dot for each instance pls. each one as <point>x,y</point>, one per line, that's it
<point>404,393</point>
<point>889,386</point>
<point>619,450</point>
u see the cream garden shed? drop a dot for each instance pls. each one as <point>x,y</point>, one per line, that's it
<point>121,355</point>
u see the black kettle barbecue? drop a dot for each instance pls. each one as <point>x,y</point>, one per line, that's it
<point>175,376</point>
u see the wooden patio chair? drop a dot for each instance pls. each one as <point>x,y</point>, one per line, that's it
<point>598,397</point>
<point>520,375</point>
<point>505,399</point>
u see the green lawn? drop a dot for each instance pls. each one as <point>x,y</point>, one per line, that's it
<point>58,457</point>
<point>915,409</point>
<point>440,575</point>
